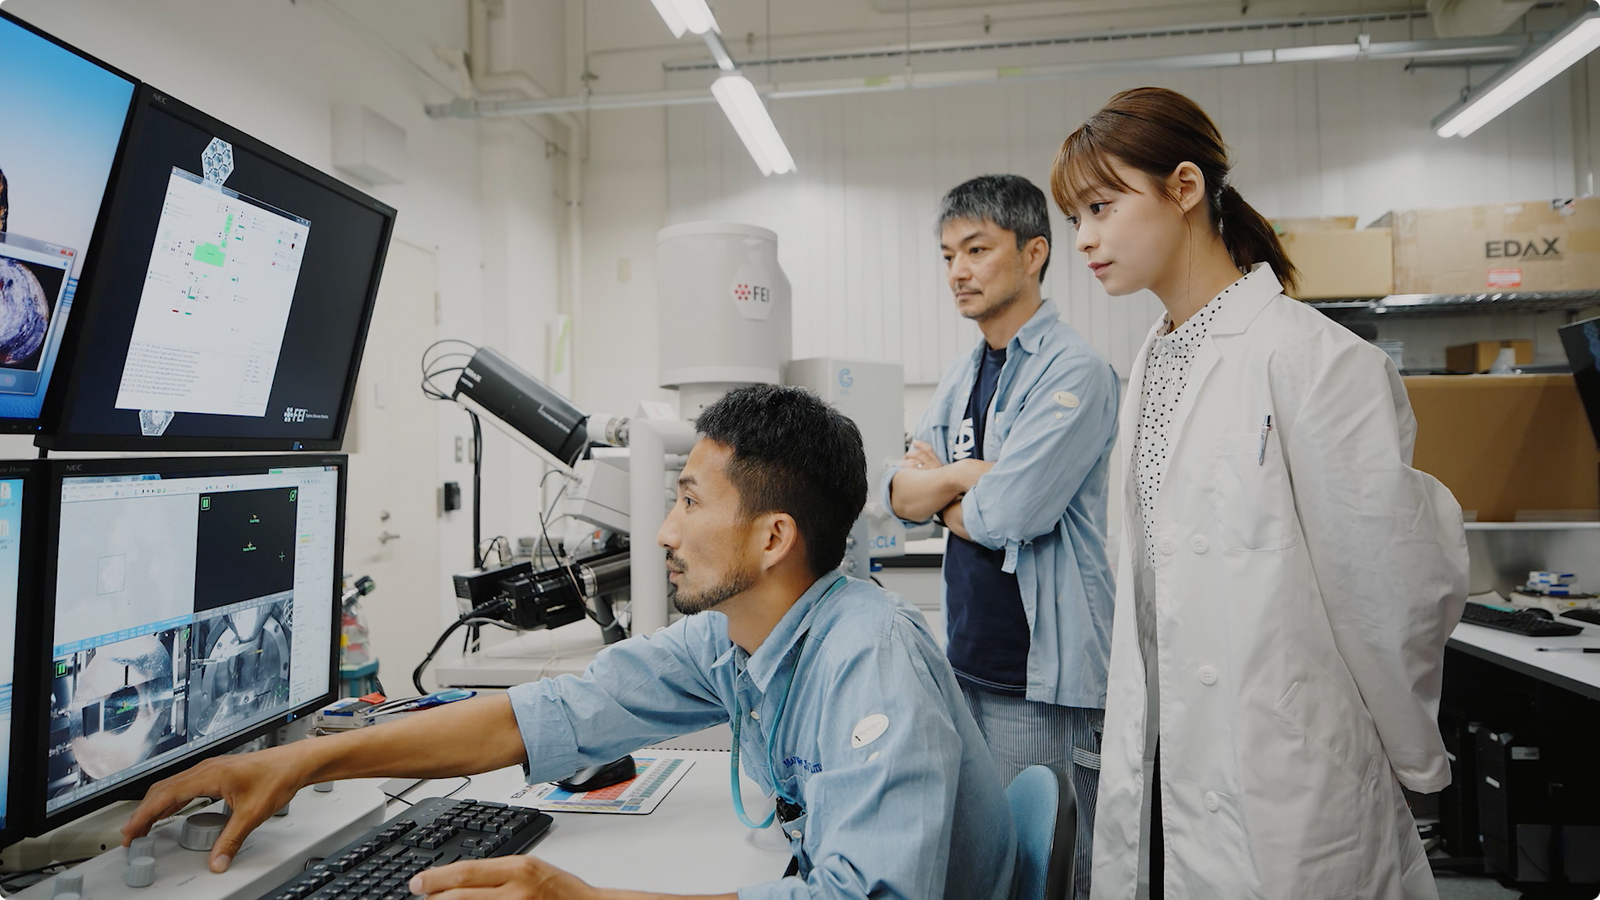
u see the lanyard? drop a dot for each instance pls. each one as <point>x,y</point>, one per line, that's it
<point>772,734</point>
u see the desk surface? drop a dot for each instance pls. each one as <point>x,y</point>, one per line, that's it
<point>691,844</point>
<point>1577,672</point>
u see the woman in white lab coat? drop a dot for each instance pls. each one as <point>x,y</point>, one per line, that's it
<point>1286,580</point>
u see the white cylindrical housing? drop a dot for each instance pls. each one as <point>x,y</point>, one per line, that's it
<point>649,442</point>
<point>724,305</point>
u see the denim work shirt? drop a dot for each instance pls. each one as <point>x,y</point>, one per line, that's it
<point>916,810</point>
<point>1050,432</point>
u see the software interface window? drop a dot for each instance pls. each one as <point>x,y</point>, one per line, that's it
<point>64,118</point>
<point>33,281</point>
<point>10,560</point>
<point>215,303</point>
<point>187,610</point>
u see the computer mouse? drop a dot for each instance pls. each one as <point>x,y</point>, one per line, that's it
<point>593,778</point>
<point>1542,613</point>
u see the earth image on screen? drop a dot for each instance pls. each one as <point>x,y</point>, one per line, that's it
<point>24,312</point>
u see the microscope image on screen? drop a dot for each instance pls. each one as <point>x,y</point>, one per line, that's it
<point>239,669</point>
<point>116,706</point>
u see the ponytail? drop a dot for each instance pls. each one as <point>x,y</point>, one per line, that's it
<point>1249,237</point>
<point>1155,130</point>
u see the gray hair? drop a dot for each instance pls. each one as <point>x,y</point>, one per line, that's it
<point>1009,201</point>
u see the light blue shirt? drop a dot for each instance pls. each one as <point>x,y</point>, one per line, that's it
<point>1050,433</point>
<point>915,812</point>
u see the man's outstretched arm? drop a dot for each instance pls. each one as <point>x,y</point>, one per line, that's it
<point>478,735</point>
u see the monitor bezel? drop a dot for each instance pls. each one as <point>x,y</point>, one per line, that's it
<point>190,466</point>
<point>1570,334</point>
<point>61,399</point>
<point>22,813</point>
<point>102,222</point>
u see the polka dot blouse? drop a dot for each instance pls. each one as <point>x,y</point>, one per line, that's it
<point>1165,374</point>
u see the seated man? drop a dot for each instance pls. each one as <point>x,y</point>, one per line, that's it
<point>909,807</point>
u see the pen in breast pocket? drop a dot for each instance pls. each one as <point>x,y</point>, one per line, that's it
<point>1266,428</point>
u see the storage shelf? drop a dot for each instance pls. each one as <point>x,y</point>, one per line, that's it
<point>1458,304</point>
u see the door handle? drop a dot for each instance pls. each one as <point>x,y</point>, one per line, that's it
<point>386,537</point>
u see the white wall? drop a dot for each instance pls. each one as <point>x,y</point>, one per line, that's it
<point>855,222</point>
<point>485,197</point>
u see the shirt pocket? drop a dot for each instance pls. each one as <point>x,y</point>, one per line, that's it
<point>1252,495</point>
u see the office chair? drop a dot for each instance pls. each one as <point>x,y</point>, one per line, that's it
<point>1045,809</point>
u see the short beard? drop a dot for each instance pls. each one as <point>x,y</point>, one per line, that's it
<point>731,586</point>
<point>996,309</point>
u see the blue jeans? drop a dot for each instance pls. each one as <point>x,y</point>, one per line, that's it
<point>1022,733</point>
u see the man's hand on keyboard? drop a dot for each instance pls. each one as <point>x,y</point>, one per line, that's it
<point>255,785</point>
<point>521,877</point>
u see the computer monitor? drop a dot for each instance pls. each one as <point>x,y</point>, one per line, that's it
<point>231,302</point>
<point>62,118</point>
<point>21,490</point>
<point>192,605</point>
<point>1582,342</point>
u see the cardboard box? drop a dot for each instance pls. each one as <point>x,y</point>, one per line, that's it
<point>1537,246</point>
<point>1314,223</point>
<point>1338,264</point>
<point>1507,444</point>
<point>1480,356</point>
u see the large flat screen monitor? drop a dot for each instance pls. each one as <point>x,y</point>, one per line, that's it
<point>1582,343</point>
<point>193,605</point>
<point>21,490</point>
<point>230,303</point>
<point>62,117</point>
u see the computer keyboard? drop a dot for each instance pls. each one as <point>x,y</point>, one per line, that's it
<point>434,832</point>
<point>1519,622</point>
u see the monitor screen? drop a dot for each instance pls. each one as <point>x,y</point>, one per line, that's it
<point>1582,342</point>
<point>18,485</point>
<point>230,304</point>
<point>63,117</point>
<point>195,605</point>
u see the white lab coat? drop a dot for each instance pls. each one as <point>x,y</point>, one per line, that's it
<point>1302,608</point>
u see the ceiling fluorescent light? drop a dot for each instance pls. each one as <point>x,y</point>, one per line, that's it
<point>687,15</point>
<point>1521,78</point>
<point>743,107</point>
<point>697,15</point>
<point>669,13</point>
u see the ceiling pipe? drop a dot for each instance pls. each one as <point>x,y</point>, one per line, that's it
<point>1475,18</point>
<point>1500,46</point>
<point>485,80</point>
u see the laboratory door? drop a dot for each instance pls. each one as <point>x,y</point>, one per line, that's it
<point>392,517</point>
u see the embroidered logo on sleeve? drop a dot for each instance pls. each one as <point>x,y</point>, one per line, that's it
<point>869,729</point>
<point>1067,399</point>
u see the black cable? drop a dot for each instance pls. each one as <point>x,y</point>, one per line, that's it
<point>492,606</point>
<point>397,797</point>
<point>875,580</point>
<point>40,870</point>
<point>477,490</point>
<point>565,567</point>
<point>466,780</point>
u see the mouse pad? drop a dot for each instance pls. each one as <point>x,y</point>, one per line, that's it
<point>637,796</point>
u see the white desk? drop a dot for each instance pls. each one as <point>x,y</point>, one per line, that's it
<point>1576,672</point>
<point>692,844</point>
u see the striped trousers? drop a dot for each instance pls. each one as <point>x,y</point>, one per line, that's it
<point>1021,733</point>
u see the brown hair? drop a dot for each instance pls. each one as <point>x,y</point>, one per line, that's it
<point>1154,130</point>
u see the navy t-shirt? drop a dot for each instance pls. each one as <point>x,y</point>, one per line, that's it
<point>986,625</point>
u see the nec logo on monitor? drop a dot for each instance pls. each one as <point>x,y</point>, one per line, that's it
<point>294,414</point>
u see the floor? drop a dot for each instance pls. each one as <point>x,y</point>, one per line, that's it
<point>1457,887</point>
